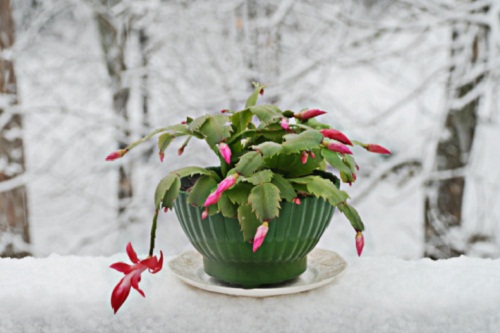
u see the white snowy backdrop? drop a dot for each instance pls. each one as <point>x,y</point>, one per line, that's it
<point>379,68</point>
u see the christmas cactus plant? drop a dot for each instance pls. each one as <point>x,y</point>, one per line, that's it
<point>267,156</point>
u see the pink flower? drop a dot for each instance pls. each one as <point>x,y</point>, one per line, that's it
<point>225,152</point>
<point>227,183</point>
<point>116,154</point>
<point>212,199</point>
<point>260,235</point>
<point>303,157</point>
<point>284,124</point>
<point>360,242</point>
<point>204,215</point>
<point>296,201</point>
<point>304,115</point>
<point>338,147</point>
<point>377,149</point>
<point>132,275</point>
<point>336,135</point>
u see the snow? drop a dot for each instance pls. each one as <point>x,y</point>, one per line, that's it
<point>374,294</point>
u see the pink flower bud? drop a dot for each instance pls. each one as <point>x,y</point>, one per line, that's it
<point>260,235</point>
<point>377,149</point>
<point>184,122</point>
<point>162,156</point>
<point>223,111</point>
<point>360,242</point>
<point>165,209</point>
<point>204,215</point>
<point>213,198</point>
<point>312,154</point>
<point>284,124</point>
<point>338,147</point>
<point>296,201</point>
<point>304,115</point>
<point>180,150</point>
<point>116,154</point>
<point>261,92</point>
<point>225,152</point>
<point>227,183</point>
<point>331,133</point>
<point>303,157</point>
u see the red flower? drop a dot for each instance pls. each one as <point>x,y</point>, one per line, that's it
<point>360,242</point>
<point>338,147</point>
<point>304,115</point>
<point>377,149</point>
<point>225,152</point>
<point>132,275</point>
<point>336,135</point>
<point>116,154</point>
<point>260,235</point>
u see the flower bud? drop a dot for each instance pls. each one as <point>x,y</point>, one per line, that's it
<point>260,235</point>
<point>284,124</point>
<point>116,154</point>
<point>338,147</point>
<point>360,242</point>
<point>225,152</point>
<point>204,215</point>
<point>377,149</point>
<point>304,115</point>
<point>296,201</point>
<point>162,156</point>
<point>212,199</point>
<point>303,157</point>
<point>331,133</point>
<point>227,183</point>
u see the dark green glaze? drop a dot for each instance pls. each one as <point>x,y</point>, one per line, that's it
<point>282,256</point>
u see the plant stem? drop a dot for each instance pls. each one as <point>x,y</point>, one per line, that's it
<point>153,234</point>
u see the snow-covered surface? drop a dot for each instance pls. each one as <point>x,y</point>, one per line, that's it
<point>384,294</point>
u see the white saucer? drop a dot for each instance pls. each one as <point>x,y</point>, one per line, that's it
<point>322,267</point>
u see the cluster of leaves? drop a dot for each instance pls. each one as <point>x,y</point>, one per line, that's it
<point>269,161</point>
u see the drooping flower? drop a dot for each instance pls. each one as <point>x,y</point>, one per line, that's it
<point>225,152</point>
<point>304,156</point>
<point>116,154</point>
<point>227,183</point>
<point>360,242</point>
<point>338,147</point>
<point>284,124</point>
<point>132,275</point>
<point>304,115</point>
<point>260,235</point>
<point>377,149</point>
<point>336,135</point>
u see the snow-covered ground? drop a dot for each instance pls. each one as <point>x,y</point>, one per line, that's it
<point>374,294</point>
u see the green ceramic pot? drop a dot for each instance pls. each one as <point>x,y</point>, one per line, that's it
<point>282,256</point>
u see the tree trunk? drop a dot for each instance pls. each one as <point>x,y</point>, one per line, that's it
<point>445,189</point>
<point>14,227</point>
<point>113,42</point>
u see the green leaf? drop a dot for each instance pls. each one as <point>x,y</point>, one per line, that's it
<point>164,140</point>
<point>239,193</point>
<point>267,114</point>
<point>252,99</point>
<point>196,124</point>
<point>290,165</point>
<point>260,177</point>
<point>171,180</point>
<point>287,191</point>
<point>249,163</point>
<point>264,200</point>
<point>240,120</point>
<point>216,129</point>
<point>350,162</point>
<point>268,149</point>
<point>248,222</point>
<point>172,193</point>
<point>193,170</point>
<point>178,130</point>
<point>200,191</point>
<point>335,161</point>
<point>316,124</point>
<point>226,207</point>
<point>307,140</point>
<point>352,215</point>
<point>322,188</point>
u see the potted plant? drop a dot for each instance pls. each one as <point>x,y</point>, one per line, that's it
<point>257,215</point>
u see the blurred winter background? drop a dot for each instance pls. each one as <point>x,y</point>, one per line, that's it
<point>80,78</point>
